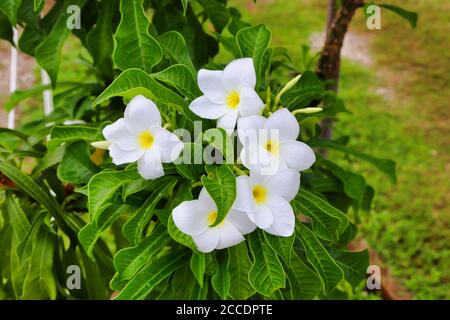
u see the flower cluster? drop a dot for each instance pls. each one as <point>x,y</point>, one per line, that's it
<point>270,151</point>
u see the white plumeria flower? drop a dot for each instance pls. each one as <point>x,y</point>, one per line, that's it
<point>195,218</point>
<point>266,199</point>
<point>228,94</point>
<point>270,144</point>
<point>139,137</point>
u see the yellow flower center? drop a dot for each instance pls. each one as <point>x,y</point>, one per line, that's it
<point>212,217</point>
<point>259,194</point>
<point>233,100</point>
<point>272,146</point>
<point>146,140</point>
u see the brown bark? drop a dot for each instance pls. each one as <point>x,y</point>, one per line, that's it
<point>328,66</point>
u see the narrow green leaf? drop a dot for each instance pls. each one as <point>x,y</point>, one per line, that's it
<point>305,284</point>
<point>48,52</point>
<point>133,82</point>
<point>219,139</point>
<point>134,227</point>
<point>135,47</point>
<point>307,89</point>
<point>385,165</point>
<point>221,186</point>
<point>69,134</point>
<point>180,77</point>
<point>21,95</point>
<point>179,236</point>
<point>10,9</point>
<point>217,13</point>
<point>266,274</point>
<point>354,265</point>
<point>76,166</point>
<point>221,278</point>
<point>410,16</point>
<point>254,42</point>
<point>281,245</point>
<point>197,264</point>
<point>330,273</point>
<point>175,47</point>
<point>239,268</point>
<point>6,30</point>
<point>128,261</point>
<point>144,281</point>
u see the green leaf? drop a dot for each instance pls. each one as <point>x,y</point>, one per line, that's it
<point>135,47</point>
<point>281,245</point>
<point>20,95</point>
<point>133,82</point>
<point>144,281</point>
<point>197,264</point>
<point>133,229</point>
<point>102,187</point>
<point>217,13</point>
<point>327,221</point>
<point>410,16</point>
<point>32,189</point>
<point>179,236</point>
<point>221,278</point>
<point>254,42</point>
<point>185,4</point>
<point>175,47</point>
<point>48,52</point>
<point>354,265</point>
<point>38,4</point>
<point>385,165</point>
<point>76,165</point>
<point>10,9</point>
<point>239,268</point>
<point>330,273</point>
<point>129,261</point>
<point>99,40</point>
<point>6,31</point>
<point>354,184</point>
<point>180,77</point>
<point>91,232</point>
<point>304,282</point>
<point>219,139</point>
<point>266,274</point>
<point>69,134</point>
<point>221,186</point>
<point>307,89</point>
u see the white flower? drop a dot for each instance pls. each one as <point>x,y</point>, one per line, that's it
<point>271,143</point>
<point>228,94</point>
<point>266,199</point>
<point>139,137</point>
<point>196,217</point>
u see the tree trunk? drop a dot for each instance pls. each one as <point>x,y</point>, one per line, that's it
<point>328,65</point>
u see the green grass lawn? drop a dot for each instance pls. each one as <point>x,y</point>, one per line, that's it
<point>408,226</point>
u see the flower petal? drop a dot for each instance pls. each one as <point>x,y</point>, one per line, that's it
<point>262,217</point>
<point>189,217</point>
<point>283,217</point>
<point>261,161</point>
<point>205,108</point>
<point>244,199</point>
<point>120,156</point>
<point>228,120</point>
<point>286,123</point>
<point>210,83</point>
<point>118,134</point>
<point>229,236</point>
<point>239,73</point>
<point>168,144</point>
<point>297,155</point>
<point>150,166</point>
<point>250,103</point>
<point>241,221</point>
<point>207,202</point>
<point>284,184</point>
<point>208,240</point>
<point>248,128</point>
<point>141,114</point>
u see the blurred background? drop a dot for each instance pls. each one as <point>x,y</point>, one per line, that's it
<point>395,81</point>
